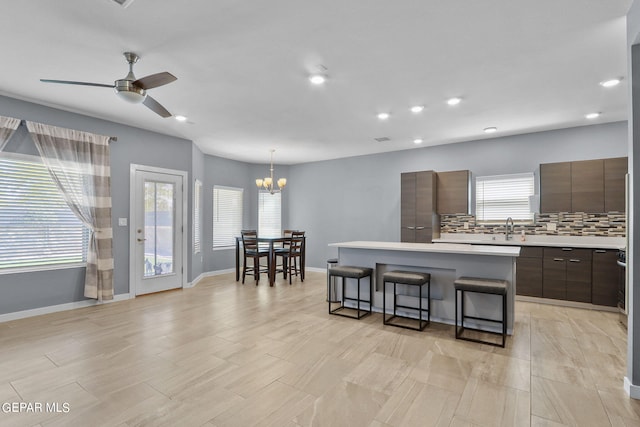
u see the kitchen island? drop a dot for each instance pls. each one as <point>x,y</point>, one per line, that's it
<point>445,262</point>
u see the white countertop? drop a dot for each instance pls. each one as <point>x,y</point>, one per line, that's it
<point>594,242</point>
<point>451,248</point>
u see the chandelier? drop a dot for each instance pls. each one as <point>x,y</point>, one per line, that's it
<point>267,183</point>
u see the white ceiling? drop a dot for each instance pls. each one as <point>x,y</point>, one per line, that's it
<point>242,68</point>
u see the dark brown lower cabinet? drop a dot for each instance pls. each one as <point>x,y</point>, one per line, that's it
<point>566,274</point>
<point>554,278</point>
<point>579,279</point>
<point>529,272</point>
<point>604,288</point>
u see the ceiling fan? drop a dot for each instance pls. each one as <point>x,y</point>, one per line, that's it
<point>131,89</point>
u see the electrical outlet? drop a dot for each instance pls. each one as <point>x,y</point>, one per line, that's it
<point>466,226</point>
<point>122,222</point>
<point>551,226</point>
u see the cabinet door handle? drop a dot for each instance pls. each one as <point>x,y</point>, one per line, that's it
<point>567,249</point>
<point>601,251</point>
<point>575,260</point>
<point>420,228</point>
<point>558,259</point>
<point>411,228</point>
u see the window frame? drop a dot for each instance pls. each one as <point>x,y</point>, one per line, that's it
<point>506,177</point>
<point>197,217</point>
<point>230,244</point>
<point>34,159</point>
<point>263,195</point>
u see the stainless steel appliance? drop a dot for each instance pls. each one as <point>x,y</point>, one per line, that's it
<point>622,286</point>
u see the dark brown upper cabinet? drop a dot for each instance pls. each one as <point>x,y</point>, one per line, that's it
<point>592,186</point>
<point>555,187</point>
<point>614,184</point>
<point>587,186</point>
<point>453,192</point>
<point>417,202</point>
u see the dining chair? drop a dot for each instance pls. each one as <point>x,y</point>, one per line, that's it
<point>282,250</point>
<point>251,249</point>
<point>291,259</point>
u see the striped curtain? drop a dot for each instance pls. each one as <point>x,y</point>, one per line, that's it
<point>8,126</point>
<point>79,165</point>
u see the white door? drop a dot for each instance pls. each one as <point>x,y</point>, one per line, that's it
<point>157,230</point>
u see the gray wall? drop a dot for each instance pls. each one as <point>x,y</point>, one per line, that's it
<point>346,199</point>
<point>231,173</point>
<point>358,198</point>
<point>40,289</point>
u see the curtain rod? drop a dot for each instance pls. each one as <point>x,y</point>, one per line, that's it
<point>111,138</point>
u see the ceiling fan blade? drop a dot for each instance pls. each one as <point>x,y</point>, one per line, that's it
<point>155,80</point>
<point>155,106</point>
<point>68,82</point>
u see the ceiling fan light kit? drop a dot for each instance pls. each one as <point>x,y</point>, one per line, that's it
<point>131,89</point>
<point>129,92</point>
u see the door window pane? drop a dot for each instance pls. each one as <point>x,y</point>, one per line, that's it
<point>159,221</point>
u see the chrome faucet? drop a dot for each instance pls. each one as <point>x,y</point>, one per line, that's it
<point>509,231</point>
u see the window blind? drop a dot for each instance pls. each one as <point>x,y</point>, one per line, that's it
<point>37,227</point>
<point>503,196</point>
<point>227,215</point>
<point>197,195</point>
<point>269,214</point>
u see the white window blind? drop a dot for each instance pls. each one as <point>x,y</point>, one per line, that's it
<point>503,196</point>
<point>227,215</point>
<point>37,227</point>
<point>197,196</point>
<point>269,214</point>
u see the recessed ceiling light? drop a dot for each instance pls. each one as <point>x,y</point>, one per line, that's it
<point>610,83</point>
<point>592,116</point>
<point>383,116</point>
<point>417,108</point>
<point>490,130</point>
<point>454,101</point>
<point>317,79</point>
<point>417,141</point>
<point>181,118</point>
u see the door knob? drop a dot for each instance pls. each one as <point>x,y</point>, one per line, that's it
<point>141,240</point>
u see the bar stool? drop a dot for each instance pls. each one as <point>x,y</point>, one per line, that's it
<point>410,278</point>
<point>481,286</point>
<point>351,272</point>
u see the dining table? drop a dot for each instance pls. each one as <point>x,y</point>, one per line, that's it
<point>271,259</point>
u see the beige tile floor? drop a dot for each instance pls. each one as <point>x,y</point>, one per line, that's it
<point>226,354</point>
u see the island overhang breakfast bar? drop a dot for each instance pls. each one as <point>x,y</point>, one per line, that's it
<point>445,262</point>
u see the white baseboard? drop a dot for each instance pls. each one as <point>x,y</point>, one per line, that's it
<point>120,297</point>
<point>316,269</point>
<point>60,307</point>
<point>208,274</point>
<point>632,390</point>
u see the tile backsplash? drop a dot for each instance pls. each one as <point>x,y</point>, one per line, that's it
<point>611,224</point>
